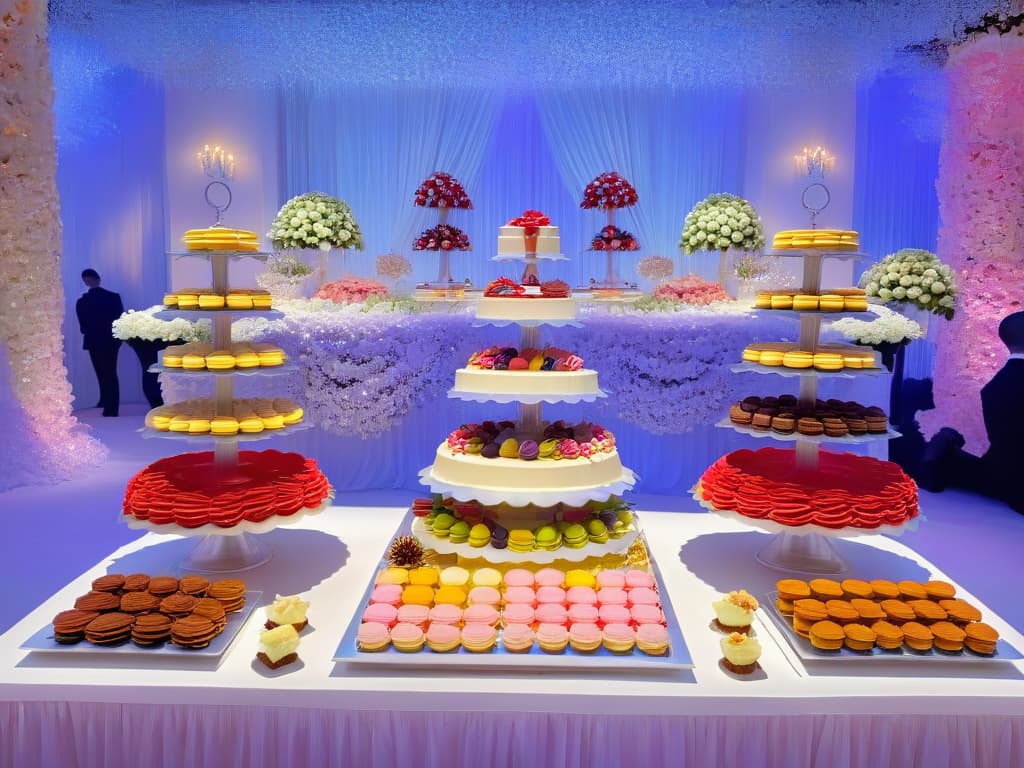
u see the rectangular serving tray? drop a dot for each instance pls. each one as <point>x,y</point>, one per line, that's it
<point>807,652</point>
<point>43,642</point>
<point>678,656</point>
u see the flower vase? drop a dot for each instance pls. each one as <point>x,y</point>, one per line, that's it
<point>724,271</point>
<point>444,258</point>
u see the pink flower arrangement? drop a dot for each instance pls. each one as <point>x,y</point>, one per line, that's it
<point>981,202</point>
<point>350,289</point>
<point>443,237</point>
<point>691,289</point>
<point>442,190</point>
<point>608,192</point>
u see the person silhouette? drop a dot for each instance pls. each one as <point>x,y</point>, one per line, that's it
<point>994,473</point>
<point>97,310</point>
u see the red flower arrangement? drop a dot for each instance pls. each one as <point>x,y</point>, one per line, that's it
<point>614,239</point>
<point>442,190</point>
<point>608,192</point>
<point>531,222</point>
<point>443,237</point>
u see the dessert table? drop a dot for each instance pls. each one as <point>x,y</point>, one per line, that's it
<point>104,709</point>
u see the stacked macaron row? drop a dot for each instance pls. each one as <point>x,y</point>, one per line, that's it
<point>444,610</point>
<point>861,615</point>
<point>150,611</point>
<point>248,415</point>
<point>201,355</point>
<point>831,300</point>
<point>206,298</point>
<point>564,526</point>
<point>825,357</point>
<point>832,418</point>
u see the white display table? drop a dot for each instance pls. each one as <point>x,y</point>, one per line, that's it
<point>55,710</point>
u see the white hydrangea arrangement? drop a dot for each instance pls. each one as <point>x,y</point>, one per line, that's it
<point>315,220</point>
<point>143,325</point>
<point>913,276</point>
<point>720,222</point>
<point>889,327</point>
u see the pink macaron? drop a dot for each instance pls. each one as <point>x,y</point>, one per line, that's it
<point>549,577</point>
<point>637,578</point>
<point>518,577</point>
<point>550,595</point>
<point>646,614</point>
<point>480,614</point>
<point>414,614</point>
<point>613,614</point>
<point>517,638</point>
<point>387,593</point>
<point>524,595</point>
<point>643,596</point>
<point>611,596</point>
<point>445,614</point>
<point>614,579</point>
<point>551,613</point>
<point>581,596</point>
<point>484,595</point>
<point>582,614</point>
<point>585,637</point>
<point>517,613</point>
<point>381,613</point>
<point>373,636</point>
<point>443,636</point>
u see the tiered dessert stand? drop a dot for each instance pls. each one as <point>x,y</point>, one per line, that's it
<point>807,548</point>
<point>609,192</point>
<point>224,549</point>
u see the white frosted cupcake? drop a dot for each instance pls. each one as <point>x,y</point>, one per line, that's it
<point>735,611</point>
<point>287,610</point>
<point>740,653</point>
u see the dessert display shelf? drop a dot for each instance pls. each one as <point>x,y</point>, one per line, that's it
<point>237,499</point>
<point>197,438</point>
<point>215,255</point>
<point>530,257</point>
<point>889,434</point>
<point>526,386</point>
<point>273,370</point>
<point>802,545</point>
<point>826,316</point>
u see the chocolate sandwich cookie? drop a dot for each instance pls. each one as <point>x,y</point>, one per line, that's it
<point>162,586</point>
<point>739,416</point>
<point>112,582</point>
<point>784,423</point>
<point>195,586</point>
<point>193,632</point>
<point>230,593</point>
<point>101,602</point>
<point>139,602</point>
<point>109,628</point>
<point>177,605</point>
<point>69,626</point>
<point>136,582</point>
<point>151,629</point>
<point>211,609</point>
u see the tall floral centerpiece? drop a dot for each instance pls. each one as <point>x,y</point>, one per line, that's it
<point>722,222</point>
<point>31,294</point>
<point>609,192</point>
<point>315,221</point>
<point>915,279</point>
<point>444,192</point>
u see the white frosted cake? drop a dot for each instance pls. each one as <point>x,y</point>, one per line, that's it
<point>512,241</point>
<point>532,385</point>
<point>516,475</point>
<point>524,310</point>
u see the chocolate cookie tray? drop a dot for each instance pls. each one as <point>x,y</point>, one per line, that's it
<point>43,642</point>
<point>1005,652</point>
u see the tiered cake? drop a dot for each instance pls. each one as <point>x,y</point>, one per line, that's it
<point>224,494</point>
<point>801,491</point>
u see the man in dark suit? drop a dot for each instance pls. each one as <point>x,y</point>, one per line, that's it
<point>998,472</point>
<point>97,310</point>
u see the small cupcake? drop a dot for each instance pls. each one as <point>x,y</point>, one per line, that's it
<point>287,610</point>
<point>740,653</point>
<point>735,611</point>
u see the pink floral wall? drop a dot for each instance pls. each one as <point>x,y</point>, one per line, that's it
<point>981,204</point>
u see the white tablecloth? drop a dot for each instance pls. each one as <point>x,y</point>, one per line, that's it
<point>58,710</point>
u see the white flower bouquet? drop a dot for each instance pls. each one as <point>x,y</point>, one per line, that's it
<point>913,276</point>
<point>144,326</point>
<point>315,220</point>
<point>720,222</point>
<point>888,328</point>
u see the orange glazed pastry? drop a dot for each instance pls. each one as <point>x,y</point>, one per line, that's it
<point>917,636</point>
<point>939,590</point>
<point>859,637</point>
<point>887,635</point>
<point>948,636</point>
<point>981,638</point>
<point>960,611</point>
<point>826,589</point>
<point>885,589</point>
<point>856,588</point>
<point>898,612</point>
<point>827,636</point>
